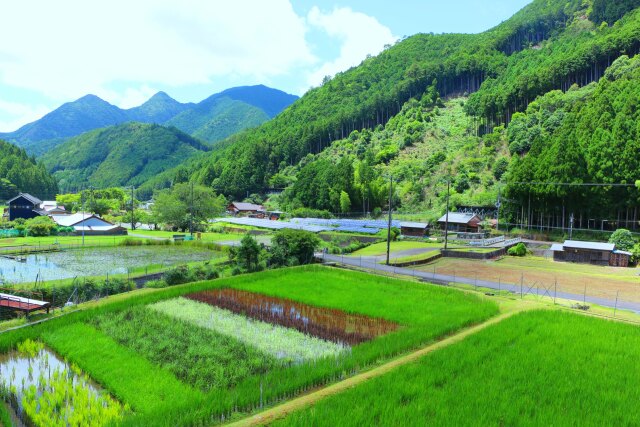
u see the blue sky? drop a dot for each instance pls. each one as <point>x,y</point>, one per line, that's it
<point>126,51</point>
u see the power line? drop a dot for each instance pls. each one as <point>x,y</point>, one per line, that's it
<point>575,184</point>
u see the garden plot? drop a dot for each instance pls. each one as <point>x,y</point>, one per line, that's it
<point>285,344</point>
<point>43,390</point>
<point>330,324</point>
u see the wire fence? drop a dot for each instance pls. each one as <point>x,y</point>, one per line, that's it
<point>616,296</point>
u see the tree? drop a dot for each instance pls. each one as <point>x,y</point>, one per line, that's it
<point>248,255</point>
<point>185,203</point>
<point>293,247</point>
<point>40,226</point>
<point>623,239</point>
<point>345,202</point>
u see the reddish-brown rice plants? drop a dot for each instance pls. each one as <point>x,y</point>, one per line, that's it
<point>326,323</point>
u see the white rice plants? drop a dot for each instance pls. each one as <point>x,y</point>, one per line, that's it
<point>286,344</point>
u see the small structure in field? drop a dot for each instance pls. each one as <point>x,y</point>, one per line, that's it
<point>24,206</point>
<point>89,224</point>
<point>464,222</point>
<point>246,209</point>
<point>413,229</point>
<point>590,253</point>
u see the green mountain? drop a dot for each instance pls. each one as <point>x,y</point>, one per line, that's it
<point>215,118</point>
<point>231,111</point>
<point>21,173</point>
<point>127,154</point>
<point>549,45</point>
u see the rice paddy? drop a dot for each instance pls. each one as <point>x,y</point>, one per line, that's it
<point>186,355</point>
<point>536,368</point>
<point>44,390</point>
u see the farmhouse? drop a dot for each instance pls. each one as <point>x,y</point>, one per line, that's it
<point>24,206</point>
<point>413,229</point>
<point>464,222</point>
<point>246,209</point>
<point>88,223</point>
<point>590,253</point>
<point>51,207</point>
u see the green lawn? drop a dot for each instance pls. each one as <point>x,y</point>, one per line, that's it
<point>125,367</point>
<point>537,368</point>
<point>402,245</point>
<point>423,258</point>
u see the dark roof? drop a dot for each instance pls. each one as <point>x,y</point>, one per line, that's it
<point>27,196</point>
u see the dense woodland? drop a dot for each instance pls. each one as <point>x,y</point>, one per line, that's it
<point>548,45</point>
<point>21,173</point>
<point>128,154</point>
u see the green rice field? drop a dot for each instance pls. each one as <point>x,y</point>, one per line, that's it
<point>177,356</point>
<point>536,368</point>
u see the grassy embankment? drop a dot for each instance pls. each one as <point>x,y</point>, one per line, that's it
<point>537,368</point>
<point>425,313</point>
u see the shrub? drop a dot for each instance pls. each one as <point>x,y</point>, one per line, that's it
<point>40,226</point>
<point>310,213</point>
<point>293,247</point>
<point>156,284</point>
<point>623,239</point>
<point>518,250</point>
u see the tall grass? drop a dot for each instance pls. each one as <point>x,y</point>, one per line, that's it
<point>197,356</point>
<point>424,313</point>
<point>538,368</point>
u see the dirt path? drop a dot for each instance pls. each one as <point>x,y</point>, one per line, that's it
<point>283,410</point>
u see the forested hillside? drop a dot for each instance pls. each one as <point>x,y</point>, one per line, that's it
<point>550,44</point>
<point>21,173</point>
<point>127,154</point>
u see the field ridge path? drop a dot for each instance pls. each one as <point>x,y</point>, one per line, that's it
<point>282,410</point>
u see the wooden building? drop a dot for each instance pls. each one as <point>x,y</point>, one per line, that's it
<point>246,209</point>
<point>590,253</point>
<point>413,229</point>
<point>24,206</point>
<point>464,222</point>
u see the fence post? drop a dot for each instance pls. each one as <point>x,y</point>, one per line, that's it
<point>521,283</point>
<point>615,309</point>
<point>584,297</point>
<point>555,290</point>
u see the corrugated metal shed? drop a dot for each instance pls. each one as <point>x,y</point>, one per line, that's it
<point>593,246</point>
<point>457,218</point>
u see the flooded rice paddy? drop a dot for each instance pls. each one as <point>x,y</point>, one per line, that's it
<point>95,262</point>
<point>41,389</point>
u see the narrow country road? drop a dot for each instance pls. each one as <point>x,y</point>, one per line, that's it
<point>446,279</point>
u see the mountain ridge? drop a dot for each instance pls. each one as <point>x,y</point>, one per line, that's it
<point>91,112</point>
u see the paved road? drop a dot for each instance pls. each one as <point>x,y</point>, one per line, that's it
<point>445,279</point>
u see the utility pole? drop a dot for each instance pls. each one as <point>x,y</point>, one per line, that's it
<point>191,211</point>
<point>498,212</point>
<point>389,225</point>
<point>446,219</point>
<point>82,199</point>
<point>133,224</point>
<point>570,226</point>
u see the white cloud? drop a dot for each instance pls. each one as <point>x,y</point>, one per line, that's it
<point>360,35</point>
<point>14,114</point>
<point>68,48</point>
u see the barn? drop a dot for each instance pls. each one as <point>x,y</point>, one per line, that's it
<point>464,222</point>
<point>413,229</point>
<point>24,206</point>
<point>590,253</point>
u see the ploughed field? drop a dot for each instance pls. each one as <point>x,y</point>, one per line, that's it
<point>536,368</point>
<point>207,352</point>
